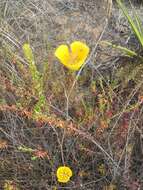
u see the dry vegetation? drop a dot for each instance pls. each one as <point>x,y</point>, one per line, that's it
<point>90,120</point>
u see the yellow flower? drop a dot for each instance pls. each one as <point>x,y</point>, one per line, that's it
<point>64,174</point>
<point>72,56</point>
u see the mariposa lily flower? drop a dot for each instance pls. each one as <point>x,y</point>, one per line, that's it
<point>72,56</point>
<point>64,174</point>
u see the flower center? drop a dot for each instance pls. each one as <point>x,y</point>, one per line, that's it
<point>74,58</point>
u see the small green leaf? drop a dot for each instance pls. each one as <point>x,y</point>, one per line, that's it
<point>34,158</point>
<point>25,149</point>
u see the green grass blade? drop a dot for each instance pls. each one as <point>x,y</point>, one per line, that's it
<point>139,25</point>
<point>133,25</point>
<point>125,50</point>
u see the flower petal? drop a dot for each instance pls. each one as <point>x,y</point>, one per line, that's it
<point>63,180</point>
<point>75,66</point>
<point>80,49</point>
<point>62,53</point>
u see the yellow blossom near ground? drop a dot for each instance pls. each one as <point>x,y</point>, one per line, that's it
<point>64,174</point>
<point>72,56</point>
